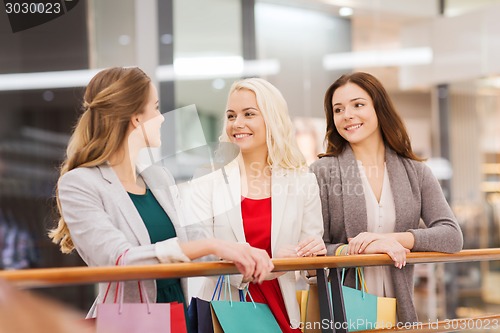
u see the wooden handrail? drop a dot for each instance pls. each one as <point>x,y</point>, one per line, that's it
<point>44,277</point>
<point>474,324</point>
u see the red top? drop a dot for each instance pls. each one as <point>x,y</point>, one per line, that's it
<point>256,215</point>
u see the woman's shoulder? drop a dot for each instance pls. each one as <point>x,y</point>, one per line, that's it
<point>420,168</point>
<point>303,175</point>
<point>323,166</point>
<point>81,175</point>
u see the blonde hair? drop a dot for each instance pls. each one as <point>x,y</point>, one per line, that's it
<point>282,147</point>
<point>111,98</point>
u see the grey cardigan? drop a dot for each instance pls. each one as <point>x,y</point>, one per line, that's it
<point>417,195</point>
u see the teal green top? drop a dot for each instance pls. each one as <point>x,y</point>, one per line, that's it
<point>160,228</point>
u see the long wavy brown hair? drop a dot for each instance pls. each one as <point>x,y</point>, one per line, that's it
<point>111,98</point>
<point>390,123</point>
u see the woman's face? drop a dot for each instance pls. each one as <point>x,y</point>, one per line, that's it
<point>150,119</point>
<point>354,114</point>
<point>245,125</point>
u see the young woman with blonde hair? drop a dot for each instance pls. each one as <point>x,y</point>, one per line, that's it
<point>274,202</point>
<point>107,209</point>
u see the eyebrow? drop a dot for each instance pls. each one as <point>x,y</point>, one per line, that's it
<point>352,100</point>
<point>245,109</point>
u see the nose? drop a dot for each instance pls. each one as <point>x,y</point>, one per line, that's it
<point>239,122</point>
<point>348,113</point>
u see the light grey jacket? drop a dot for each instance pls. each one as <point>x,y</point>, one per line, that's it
<point>417,195</point>
<point>103,223</point>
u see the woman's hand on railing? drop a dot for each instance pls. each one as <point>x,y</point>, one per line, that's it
<point>255,264</point>
<point>311,247</point>
<point>390,246</point>
<point>358,244</point>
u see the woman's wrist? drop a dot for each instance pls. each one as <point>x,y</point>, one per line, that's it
<point>342,250</point>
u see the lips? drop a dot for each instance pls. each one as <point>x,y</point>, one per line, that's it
<point>353,127</point>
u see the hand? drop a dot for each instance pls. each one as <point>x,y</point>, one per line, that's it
<point>287,251</point>
<point>359,243</point>
<point>390,246</point>
<point>263,266</point>
<point>311,246</point>
<point>254,264</point>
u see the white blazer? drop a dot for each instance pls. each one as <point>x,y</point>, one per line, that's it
<point>296,215</point>
<point>103,223</point>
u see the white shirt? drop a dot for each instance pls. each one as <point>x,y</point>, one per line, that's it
<point>381,219</point>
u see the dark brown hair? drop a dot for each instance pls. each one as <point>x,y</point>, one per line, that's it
<point>390,123</point>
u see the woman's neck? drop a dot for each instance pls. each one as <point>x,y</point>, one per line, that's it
<point>123,163</point>
<point>255,164</point>
<point>370,153</point>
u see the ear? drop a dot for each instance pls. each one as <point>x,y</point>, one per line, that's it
<point>135,120</point>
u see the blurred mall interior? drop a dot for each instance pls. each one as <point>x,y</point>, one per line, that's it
<point>439,59</point>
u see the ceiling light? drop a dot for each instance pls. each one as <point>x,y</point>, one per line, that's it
<point>345,11</point>
<point>363,59</point>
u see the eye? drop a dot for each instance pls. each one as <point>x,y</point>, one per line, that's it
<point>337,110</point>
<point>230,116</point>
<point>358,105</point>
<point>249,114</point>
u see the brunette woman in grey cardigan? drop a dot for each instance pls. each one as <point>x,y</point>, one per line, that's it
<point>375,190</point>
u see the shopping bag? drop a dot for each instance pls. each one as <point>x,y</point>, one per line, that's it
<point>177,318</point>
<point>200,316</point>
<point>386,312</point>
<point>366,311</point>
<point>200,313</point>
<point>132,317</point>
<point>312,318</point>
<point>302,300</point>
<point>242,317</point>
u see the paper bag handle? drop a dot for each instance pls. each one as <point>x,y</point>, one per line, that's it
<point>120,261</point>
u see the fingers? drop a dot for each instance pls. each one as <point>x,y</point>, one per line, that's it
<point>241,255</point>
<point>391,247</point>
<point>263,265</point>
<point>304,246</point>
<point>359,243</point>
<point>287,251</point>
<point>311,246</point>
<point>398,255</point>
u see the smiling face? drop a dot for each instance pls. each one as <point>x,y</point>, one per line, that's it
<point>245,124</point>
<point>354,115</point>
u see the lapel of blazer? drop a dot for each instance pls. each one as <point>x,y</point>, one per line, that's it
<point>401,188</point>
<point>125,205</point>
<point>163,186</point>
<point>232,199</point>
<point>353,197</point>
<point>279,194</point>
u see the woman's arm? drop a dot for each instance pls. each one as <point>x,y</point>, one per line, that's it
<point>443,233</point>
<point>253,263</point>
<point>100,242</point>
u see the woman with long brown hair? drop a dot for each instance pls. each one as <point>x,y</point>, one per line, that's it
<point>106,208</point>
<point>375,190</point>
